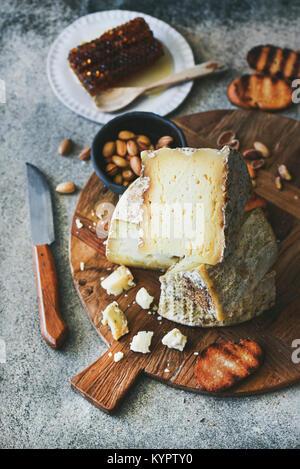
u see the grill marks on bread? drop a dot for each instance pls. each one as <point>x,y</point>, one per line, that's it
<point>274,61</point>
<point>262,92</point>
<point>222,365</point>
<point>270,87</point>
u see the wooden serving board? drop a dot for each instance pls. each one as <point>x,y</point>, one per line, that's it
<point>105,382</point>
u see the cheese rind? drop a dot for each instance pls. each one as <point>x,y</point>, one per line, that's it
<point>118,281</point>
<point>231,292</point>
<point>187,202</point>
<point>175,339</point>
<point>114,317</point>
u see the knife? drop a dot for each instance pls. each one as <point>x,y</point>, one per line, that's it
<point>53,328</point>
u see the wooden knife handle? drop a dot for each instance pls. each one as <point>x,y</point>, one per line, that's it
<point>53,328</point>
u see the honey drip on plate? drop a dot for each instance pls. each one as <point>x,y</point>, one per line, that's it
<point>162,68</point>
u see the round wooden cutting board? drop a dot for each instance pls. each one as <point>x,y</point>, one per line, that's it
<point>105,382</point>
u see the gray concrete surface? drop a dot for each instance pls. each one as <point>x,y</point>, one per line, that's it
<point>37,407</point>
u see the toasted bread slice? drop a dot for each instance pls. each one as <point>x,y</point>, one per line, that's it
<point>263,92</point>
<point>274,61</point>
<point>221,365</point>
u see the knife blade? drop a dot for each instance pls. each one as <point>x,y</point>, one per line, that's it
<point>53,328</point>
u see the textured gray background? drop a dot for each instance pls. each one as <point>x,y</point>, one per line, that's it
<point>37,406</point>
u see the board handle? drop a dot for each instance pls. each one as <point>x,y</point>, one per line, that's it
<point>53,328</point>
<point>105,382</point>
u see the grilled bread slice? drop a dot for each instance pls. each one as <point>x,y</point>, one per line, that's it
<point>221,365</point>
<point>274,61</point>
<point>262,92</point>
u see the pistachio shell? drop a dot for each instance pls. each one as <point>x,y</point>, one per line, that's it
<point>262,148</point>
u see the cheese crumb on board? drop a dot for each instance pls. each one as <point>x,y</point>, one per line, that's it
<point>143,298</point>
<point>118,356</point>
<point>116,320</point>
<point>121,279</point>
<point>175,339</point>
<point>141,342</point>
<point>78,223</point>
<point>82,266</point>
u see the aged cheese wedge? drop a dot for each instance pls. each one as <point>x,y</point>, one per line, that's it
<point>188,202</point>
<point>231,292</point>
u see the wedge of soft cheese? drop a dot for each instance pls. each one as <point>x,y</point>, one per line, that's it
<point>188,202</point>
<point>175,339</point>
<point>141,342</point>
<point>117,282</point>
<point>114,317</point>
<point>231,292</point>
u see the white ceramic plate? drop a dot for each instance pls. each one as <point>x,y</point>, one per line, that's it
<point>71,93</point>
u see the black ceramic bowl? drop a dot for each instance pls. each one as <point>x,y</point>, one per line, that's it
<point>144,123</point>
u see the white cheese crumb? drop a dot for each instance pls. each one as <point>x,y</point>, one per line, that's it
<point>109,354</point>
<point>118,356</point>
<point>121,279</point>
<point>81,266</point>
<point>196,353</point>
<point>175,339</point>
<point>141,342</point>
<point>116,320</point>
<point>166,370</point>
<point>78,223</point>
<point>159,318</point>
<point>93,213</point>
<point>143,298</point>
<point>94,223</point>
